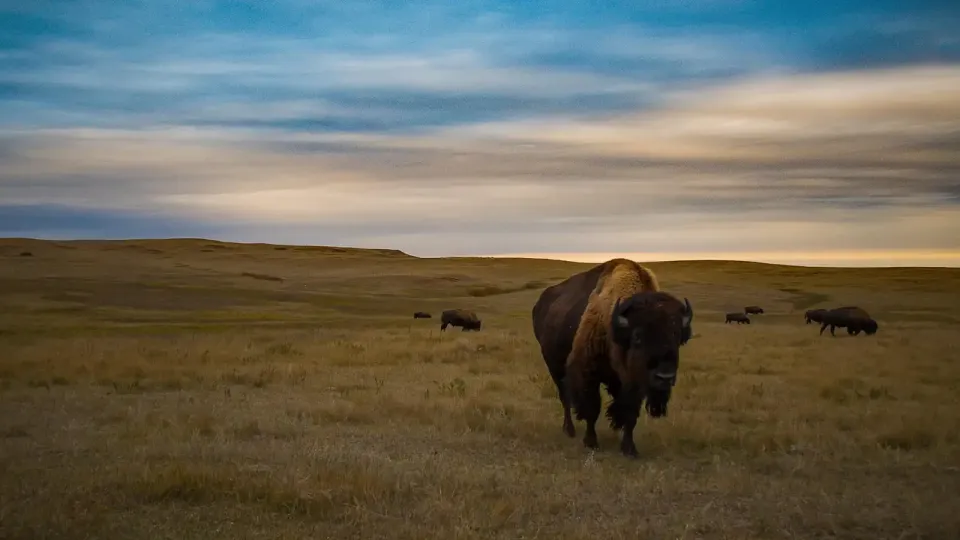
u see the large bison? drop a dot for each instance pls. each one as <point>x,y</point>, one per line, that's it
<point>738,318</point>
<point>814,315</point>
<point>611,325</point>
<point>854,319</point>
<point>753,310</point>
<point>422,315</point>
<point>464,318</point>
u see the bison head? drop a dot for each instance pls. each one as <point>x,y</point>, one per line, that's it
<point>650,328</point>
<point>870,327</point>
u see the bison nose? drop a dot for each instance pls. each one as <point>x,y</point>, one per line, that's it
<point>663,379</point>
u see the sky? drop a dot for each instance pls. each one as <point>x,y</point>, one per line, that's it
<point>797,132</point>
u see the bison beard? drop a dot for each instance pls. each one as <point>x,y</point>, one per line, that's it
<point>618,411</point>
<point>657,402</point>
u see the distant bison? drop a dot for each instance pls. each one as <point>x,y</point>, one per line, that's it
<point>465,319</point>
<point>611,325</point>
<point>854,319</point>
<point>422,315</point>
<point>738,318</point>
<point>814,315</point>
<point>753,310</point>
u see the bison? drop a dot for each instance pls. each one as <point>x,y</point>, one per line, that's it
<point>814,315</point>
<point>854,319</point>
<point>738,318</point>
<point>611,325</point>
<point>465,319</point>
<point>422,315</point>
<point>753,310</point>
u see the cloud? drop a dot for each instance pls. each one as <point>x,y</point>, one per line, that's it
<point>343,68</point>
<point>801,132</point>
<point>58,221</point>
<point>916,35</point>
<point>483,127</point>
<point>365,67</point>
<point>840,117</point>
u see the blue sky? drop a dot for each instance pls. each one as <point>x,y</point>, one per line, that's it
<point>480,127</point>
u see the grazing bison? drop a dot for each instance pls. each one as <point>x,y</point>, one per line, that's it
<point>753,310</point>
<point>611,325</point>
<point>814,315</point>
<point>465,319</point>
<point>854,319</point>
<point>422,315</point>
<point>738,318</point>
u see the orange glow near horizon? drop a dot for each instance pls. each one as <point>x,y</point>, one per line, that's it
<point>859,258</point>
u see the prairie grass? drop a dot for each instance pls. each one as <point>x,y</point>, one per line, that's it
<point>148,389</point>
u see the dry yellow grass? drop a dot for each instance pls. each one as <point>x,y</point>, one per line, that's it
<point>198,389</point>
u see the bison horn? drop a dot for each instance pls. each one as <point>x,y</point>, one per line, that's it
<point>687,312</point>
<point>618,318</point>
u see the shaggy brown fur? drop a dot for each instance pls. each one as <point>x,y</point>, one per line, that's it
<point>738,318</point>
<point>464,318</point>
<point>854,319</point>
<point>814,315</point>
<point>607,326</point>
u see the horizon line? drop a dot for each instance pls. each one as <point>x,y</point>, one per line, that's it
<point>889,258</point>
<point>894,258</point>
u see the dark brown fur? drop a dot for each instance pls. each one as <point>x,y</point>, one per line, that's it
<point>753,310</point>
<point>738,318</point>
<point>814,315</point>
<point>422,315</point>
<point>854,319</point>
<point>587,326</point>
<point>464,318</point>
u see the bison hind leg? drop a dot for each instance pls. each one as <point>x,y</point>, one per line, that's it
<point>559,380</point>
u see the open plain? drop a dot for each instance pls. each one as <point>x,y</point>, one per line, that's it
<point>190,389</point>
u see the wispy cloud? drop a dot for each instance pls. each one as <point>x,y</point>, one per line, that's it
<point>852,115</point>
<point>485,127</point>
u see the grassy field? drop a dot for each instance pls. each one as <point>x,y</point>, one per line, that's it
<point>190,389</point>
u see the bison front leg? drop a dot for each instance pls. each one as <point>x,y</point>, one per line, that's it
<point>629,408</point>
<point>585,396</point>
<point>590,412</point>
<point>823,327</point>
